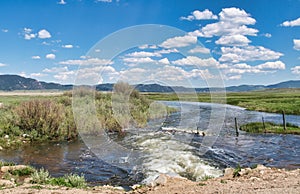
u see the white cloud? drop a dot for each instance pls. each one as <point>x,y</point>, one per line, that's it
<point>62,2</point>
<point>196,61</point>
<point>164,61</point>
<point>94,75</point>
<point>242,66</point>
<point>233,77</point>
<point>235,71</point>
<point>179,41</point>
<point>138,60</point>
<point>268,35</point>
<point>56,70</point>
<point>296,70</point>
<point>248,53</point>
<point>2,65</point>
<point>89,61</point>
<point>144,54</point>
<point>271,65</point>
<point>296,44</point>
<point>29,36</point>
<point>50,56</point>
<point>97,50</point>
<point>178,75</point>
<point>44,34</point>
<point>27,30</point>
<point>237,16</point>
<point>37,75</point>
<point>233,40</point>
<point>233,21</point>
<point>4,30</point>
<point>199,49</point>
<point>292,23</point>
<point>146,46</point>
<point>200,15</point>
<point>36,57</point>
<point>104,1</point>
<point>64,76</point>
<point>167,51</point>
<point>67,46</point>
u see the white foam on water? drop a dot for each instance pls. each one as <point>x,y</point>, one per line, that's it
<point>163,154</point>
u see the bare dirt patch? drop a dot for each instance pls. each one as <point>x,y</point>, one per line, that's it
<point>259,180</point>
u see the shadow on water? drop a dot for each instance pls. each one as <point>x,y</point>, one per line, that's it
<point>71,157</point>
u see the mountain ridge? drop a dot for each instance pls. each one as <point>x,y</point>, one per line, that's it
<point>16,82</point>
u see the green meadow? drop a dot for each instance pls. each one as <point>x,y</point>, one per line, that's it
<point>273,100</point>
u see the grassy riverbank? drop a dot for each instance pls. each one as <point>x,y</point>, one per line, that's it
<point>268,127</point>
<point>273,100</point>
<point>30,118</point>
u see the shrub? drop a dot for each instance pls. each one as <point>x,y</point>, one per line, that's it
<point>22,172</point>
<point>40,176</point>
<point>45,119</point>
<point>74,180</point>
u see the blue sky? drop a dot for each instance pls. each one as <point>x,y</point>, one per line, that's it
<point>236,42</point>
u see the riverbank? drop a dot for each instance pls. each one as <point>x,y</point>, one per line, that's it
<point>259,180</point>
<point>271,100</point>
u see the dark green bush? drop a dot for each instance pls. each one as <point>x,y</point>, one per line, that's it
<point>45,119</point>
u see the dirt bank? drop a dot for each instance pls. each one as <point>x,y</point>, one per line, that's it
<point>259,180</point>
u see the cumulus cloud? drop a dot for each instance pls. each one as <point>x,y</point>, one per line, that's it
<point>4,30</point>
<point>199,49</point>
<point>37,75</point>
<point>233,40</point>
<point>42,34</point>
<point>50,56</point>
<point>62,2</point>
<point>104,1</point>
<point>296,44</point>
<point>65,75</point>
<point>138,60</point>
<point>235,71</point>
<point>296,70</point>
<point>196,61</point>
<point>28,34</point>
<point>292,23</point>
<point>271,65</point>
<point>233,21</point>
<point>146,46</point>
<point>36,57</point>
<point>56,69</point>
<point>67,46</point>
<point>233,77</point>
<point>179,41</point>
<point>164,61</point>
<point>86,62</point>
<point>248,53</point>
<point>268,35</point>
<point>200,15</point>
<point>2,65</point>
<point>144,54</point>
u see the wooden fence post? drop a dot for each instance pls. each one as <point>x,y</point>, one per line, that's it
<point>264,126</point>
<point>284,122</point>
<point>236,127</point>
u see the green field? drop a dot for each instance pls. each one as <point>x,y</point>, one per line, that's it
<point>268,127</point>
<point>273,100</point>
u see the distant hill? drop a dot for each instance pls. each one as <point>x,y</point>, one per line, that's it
<point>16,82</point>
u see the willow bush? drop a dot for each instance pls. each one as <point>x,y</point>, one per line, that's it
<point>45,118</point>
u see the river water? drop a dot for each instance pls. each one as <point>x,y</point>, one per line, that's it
<point>174,152</point>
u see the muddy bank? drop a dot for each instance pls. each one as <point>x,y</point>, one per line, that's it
<point>259,180</point>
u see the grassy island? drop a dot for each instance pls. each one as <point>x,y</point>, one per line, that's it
<point>269,127</point>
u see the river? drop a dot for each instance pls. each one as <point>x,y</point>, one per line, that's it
<point>173,152</point>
